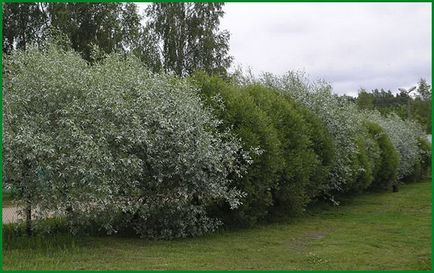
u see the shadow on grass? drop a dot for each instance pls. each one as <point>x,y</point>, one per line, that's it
<point>50,234</point>
<point>53,235</point>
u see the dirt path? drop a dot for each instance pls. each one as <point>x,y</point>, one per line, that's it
<point>10,215</point>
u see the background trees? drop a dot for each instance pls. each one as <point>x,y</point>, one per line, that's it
<point>190,37</point>
<point>416,105</point>
<point>177,37</point>
<point>110,26</point>
<point>23,24</point>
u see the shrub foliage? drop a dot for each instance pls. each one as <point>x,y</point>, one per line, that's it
<point>108,141</point>
<point>295,150</point>
<point>117,147</point>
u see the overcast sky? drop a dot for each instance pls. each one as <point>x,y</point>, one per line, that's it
<point>350,45</point>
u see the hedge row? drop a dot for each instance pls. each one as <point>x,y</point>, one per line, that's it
<point>295,155</point>
<point>348,128</point>
<point>298,160</point>
<point>117,147</point>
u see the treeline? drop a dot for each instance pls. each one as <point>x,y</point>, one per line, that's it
<point>113,146</point>
<point>414,103</point>
<point>175,37</point>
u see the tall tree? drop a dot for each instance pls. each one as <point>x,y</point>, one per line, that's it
<point>108,26</point>
<point>23,24</point>
<point>403,103</point>
<point>424,90</point>
<point>422,105</point>
<point>365,100</point>
<point>141,40</point>
<point>89,24</point>
<point>190,37</point>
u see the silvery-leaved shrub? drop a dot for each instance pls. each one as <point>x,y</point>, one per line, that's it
<point>113,145</point>
<point>341,118</point>
<point>404,135</point>
<point>357,159</point>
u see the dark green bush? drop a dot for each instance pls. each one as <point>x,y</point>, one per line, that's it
<point>363,165</point>
<point>385,168</point>
<point>426,155</point>
<point>298,182</point>
<point>376,162</point>
<point>422,167</point>
<point>296,150</point>
<point>322,145</point>
<point>255,129</point>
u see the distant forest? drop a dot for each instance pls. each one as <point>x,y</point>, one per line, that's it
<point>414,103</point>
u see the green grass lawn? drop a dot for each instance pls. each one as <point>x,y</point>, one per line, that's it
<point>372,231</point>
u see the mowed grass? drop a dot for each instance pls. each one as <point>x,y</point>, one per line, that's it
<point>372,231</point>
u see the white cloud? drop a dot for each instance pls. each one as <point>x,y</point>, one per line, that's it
<point>351,45</point>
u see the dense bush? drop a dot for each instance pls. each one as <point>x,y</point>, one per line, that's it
<point>404,135</point>
<point>385,167</point>
<point>422,167</point>
<point>356,153</point>
<point>367,152</point>
<point>115,146</point>
<point>325,151</point>
<point>254,127</point>
<point>342,120</point>
<point>299,180</point>
<point>112,141</point>
<point>426,154</point>
<point>295,149</point>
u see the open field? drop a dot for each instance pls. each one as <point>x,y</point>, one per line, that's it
<point>372,231</point>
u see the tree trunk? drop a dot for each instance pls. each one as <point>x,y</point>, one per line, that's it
<point>28,197</point>
<point>29,228</point>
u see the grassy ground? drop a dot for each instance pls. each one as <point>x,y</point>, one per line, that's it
<point>373,231</point>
